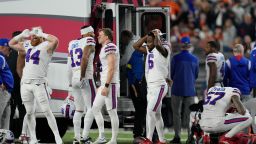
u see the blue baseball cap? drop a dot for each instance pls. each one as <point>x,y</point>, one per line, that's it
<point>4,42</point>
<point>185,40</point>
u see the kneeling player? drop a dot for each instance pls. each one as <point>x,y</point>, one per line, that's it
<point>214,117</point>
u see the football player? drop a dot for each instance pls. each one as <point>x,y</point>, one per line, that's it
<point>214,118</point>
<point>83,87</point>
<point>109,89</point>
<point>156,72</point>
<point>215,65</point>
<point>39,50</point>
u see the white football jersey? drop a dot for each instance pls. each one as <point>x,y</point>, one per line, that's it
<point>157,66</point>
<point>218,101</point>
<point>36,61</point>
<point>108,49</point>
<point>219,60</point>
<point>75,49</point>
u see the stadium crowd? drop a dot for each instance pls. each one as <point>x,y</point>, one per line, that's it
<point>227,21</point>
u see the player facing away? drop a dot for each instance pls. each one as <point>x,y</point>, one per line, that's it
<point>108,91</point>
<point>156,72</point>
<point>39,50</point>
<point>214,118</point>
<point>83,88</point>
<point>215,65</point>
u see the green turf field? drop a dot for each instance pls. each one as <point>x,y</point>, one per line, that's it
<point>124,137</point>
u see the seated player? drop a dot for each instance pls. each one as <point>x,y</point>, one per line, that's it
<point>214,118</point>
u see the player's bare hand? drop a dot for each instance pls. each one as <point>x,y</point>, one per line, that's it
<point>83,82</point>
<point>81,78</point>
<point>104,91</point>
<point>169,82</point>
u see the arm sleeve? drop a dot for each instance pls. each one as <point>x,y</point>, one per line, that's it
<point>110,49</point>
<point>211,58</point>
<point>236,92</point>
<point>88,41</point>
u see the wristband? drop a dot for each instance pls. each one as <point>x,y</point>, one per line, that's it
<point>106,85</point>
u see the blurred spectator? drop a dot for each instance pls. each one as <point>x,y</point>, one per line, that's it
<point>206,33</point>
<point>237,72</point>
<point>247,27</point>
<point>154,3</point>
<point>247,46</point>
<point>184,72</point>
<point>127,38</point>
<point>238,10</point>
<point>229,33</point>
<point>174,8</point>
<point>218,36</point>
<point>237,40</point>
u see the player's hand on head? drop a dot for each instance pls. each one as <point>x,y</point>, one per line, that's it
<point>37,31</point>
<point>104,91</point>
<point>25,33</point>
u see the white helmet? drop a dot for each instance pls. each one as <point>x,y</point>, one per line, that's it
<point>6,137</point>
<point>68,108</point>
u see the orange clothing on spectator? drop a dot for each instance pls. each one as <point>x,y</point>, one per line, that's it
<point>175,8</point>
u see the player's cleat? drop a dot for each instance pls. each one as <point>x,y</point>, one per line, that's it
<point>147,141</point>
<point>75,141</point>
<point>100,141</point>
<point>206,139</point>
<point>226,140</point>
<point>87,140</point>
<point>175,140</point>
<point>24,139</point>
<point>138,140</point>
